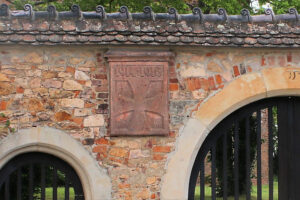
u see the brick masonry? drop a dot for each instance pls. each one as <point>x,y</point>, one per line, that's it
<point>67,88</point>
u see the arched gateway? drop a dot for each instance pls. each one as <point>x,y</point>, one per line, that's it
<point>39,176</point>
<point>49,162</point>
<point>234,152</point>
<point>233,111</point>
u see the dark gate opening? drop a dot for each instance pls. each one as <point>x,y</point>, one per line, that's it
<point>39,176</point>
<point>251,154</point>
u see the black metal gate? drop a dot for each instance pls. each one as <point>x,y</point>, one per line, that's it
<point>229,163</point>
<point>39,176</point>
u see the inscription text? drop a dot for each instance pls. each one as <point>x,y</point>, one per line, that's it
<point>132,71</point>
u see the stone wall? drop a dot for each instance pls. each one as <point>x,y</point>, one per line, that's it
<point>66,87</point>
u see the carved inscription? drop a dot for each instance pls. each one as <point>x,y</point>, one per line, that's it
<point>293,73</point>
<point>139,103</point>
<point>138,71</point>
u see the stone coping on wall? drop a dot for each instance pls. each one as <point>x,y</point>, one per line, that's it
<point>147,28</point>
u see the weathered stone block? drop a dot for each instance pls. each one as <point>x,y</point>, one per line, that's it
<point>62,116</point>
<point>6,88</point>
<point>72,85</point>
<point>118,152</point>
<point>79,75</point>
<point>81,112</point>
<point>50,83</point>
<point>137,153</point>
<point>49,74</point>
<point>72,103</point>
<point>94,120</point>
<point>4,78</point>
<point>34,58</point>
<point>34,105</point>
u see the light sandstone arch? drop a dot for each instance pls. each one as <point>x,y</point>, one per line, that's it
<point>95,181</point>
<point>243,90</point>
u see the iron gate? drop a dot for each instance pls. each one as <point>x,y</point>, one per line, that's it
<point>39,176</point>
<point>229,163</point>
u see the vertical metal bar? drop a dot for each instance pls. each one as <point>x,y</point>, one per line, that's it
<point>67,183</point>
<point>270,128</point>
<point>236,161</point>
<point>225,166</point>
<point>54,183</point>
<point>43,182</point>
<point>202,180</point>
<point>258,139</point>
<point>19,183</point>
<point>7,192</point>
<point>31,181</point>
<point>284,131</point>
<point>248,189</point>
<point>213,172</point>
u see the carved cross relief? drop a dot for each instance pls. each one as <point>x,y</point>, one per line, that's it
<point>139,98</point>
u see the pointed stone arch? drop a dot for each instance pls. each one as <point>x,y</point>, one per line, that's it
<point>243,90</point>
<point>95,181</point>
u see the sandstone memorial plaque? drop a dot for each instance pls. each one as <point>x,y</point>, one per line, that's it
<point>139,93</point>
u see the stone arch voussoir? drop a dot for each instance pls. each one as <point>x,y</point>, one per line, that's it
<point>270,82</point>
<point>95,181</point>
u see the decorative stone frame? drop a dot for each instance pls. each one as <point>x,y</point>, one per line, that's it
<point>95,181</point>
<point>245,89</point>
<point>141,59</point>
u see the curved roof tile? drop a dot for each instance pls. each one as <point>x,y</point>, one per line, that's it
<point>197,29</point>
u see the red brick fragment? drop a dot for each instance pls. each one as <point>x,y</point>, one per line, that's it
<point>172,134</point>
<point>236,71</point>
<point>161,149</point>
<point>70,69</point>
<point>3,105</point>
<point>289,57</point>
<point>153,196</point>
<point>100,76</point>
<point>204,84</point>
<point>249,69</point>
<point>209,54</point>
<point>173,80</point>
<point>211,83</point>
<point>193,83</point>
<point>76,92</point>
<point>218,78</point>
<point>158,157</point>
<point>123,185</point>
<point>263,61</point>
<point>101,141</point>
<point>20,90</point>
<point>100,149</point>
<point>173,87</point>
<point>271,60</point>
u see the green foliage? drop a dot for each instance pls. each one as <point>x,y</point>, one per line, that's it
<point>265,193</point>
<point>110,5</point>
<point>230,157</point>
<point>232,6</point>
<point>7,124</point>
<point>282,6</point>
